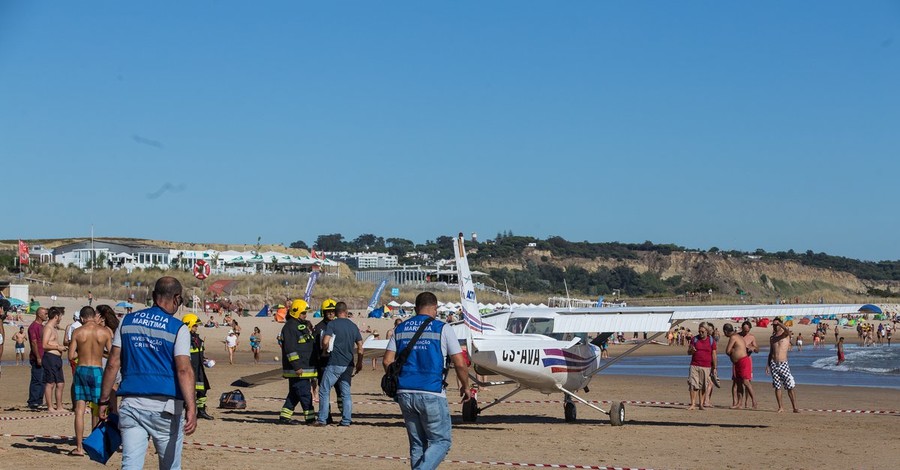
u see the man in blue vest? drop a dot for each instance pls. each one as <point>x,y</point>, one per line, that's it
<point>421,387</point>
<point>152,348</point>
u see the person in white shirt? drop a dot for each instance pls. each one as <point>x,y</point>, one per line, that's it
<point>231,345</point>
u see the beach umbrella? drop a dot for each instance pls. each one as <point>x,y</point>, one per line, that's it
<point>124,304</point>
<point>14,302</point>
<point>407,304</point>
<point>393,303</point>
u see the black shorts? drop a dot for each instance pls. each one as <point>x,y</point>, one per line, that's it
<point>52,365</point>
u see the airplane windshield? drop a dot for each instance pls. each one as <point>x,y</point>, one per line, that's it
<point>540,326</point>
<point>517,325</point>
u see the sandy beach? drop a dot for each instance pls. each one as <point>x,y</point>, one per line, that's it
<point>659,432</point>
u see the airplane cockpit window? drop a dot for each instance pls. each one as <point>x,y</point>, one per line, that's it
<point>517,325</point>
<point>540,326</point>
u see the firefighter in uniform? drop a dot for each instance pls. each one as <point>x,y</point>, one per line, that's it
<point>298,364</point>
<point>328,306</point>
<point>201,383</point>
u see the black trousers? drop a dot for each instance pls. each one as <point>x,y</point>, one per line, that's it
<point>299,392</point>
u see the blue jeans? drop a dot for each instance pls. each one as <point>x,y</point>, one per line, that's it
<point>427,419</point>
<point>166,430</point>
<point>340,375</point>
<point>36,387</point>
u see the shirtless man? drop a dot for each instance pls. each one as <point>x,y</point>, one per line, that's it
<point>777,365</point>
<point>54,380</point>
<point>752,348</point>
<point>88,344</point>
<point>743,366</point>
<point>20,339</point>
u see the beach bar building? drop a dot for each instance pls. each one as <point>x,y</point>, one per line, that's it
<point>118,254</point>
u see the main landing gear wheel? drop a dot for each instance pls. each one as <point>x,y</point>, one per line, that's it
<point>617,414</point>
<point>569,410</point>
<point>470,411</point>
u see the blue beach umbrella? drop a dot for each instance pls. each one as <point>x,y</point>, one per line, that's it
<point>124,304</point>
<point>15,302</point>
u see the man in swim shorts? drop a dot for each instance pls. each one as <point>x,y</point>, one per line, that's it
<point>88,344</point>
<point>20,338</point>
<point>743,367</point>
<point>53,378</point>
<point>777,365</point>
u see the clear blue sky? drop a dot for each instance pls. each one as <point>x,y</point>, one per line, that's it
<point>740,125</point>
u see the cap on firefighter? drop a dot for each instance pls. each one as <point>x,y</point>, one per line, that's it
<point>328,304</point>
<point>190,320</point>
<point>297,307</point>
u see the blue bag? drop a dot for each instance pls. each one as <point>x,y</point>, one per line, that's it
<point>104,440</point>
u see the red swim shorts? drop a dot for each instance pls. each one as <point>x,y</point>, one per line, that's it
<point>743,369</point>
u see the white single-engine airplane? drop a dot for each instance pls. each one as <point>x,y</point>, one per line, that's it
<point>546,349</point>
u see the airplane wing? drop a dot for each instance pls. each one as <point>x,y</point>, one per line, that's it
<point>650,319</point>
<point>374,347</point>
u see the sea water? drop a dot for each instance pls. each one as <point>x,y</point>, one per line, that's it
<point>874,366</point>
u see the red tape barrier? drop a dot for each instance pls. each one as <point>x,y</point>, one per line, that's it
<point>627,402</point>
<point>359,456</point>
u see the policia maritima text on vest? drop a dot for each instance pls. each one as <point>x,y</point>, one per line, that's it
<point>152,349</point>
<point>420,393</point>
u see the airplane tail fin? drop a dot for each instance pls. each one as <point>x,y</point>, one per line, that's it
<point>467,291</point>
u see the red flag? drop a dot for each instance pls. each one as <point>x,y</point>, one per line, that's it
<point>23,253</point>
<point>312,253</point>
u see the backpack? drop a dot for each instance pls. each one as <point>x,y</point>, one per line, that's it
<point>233,400</point>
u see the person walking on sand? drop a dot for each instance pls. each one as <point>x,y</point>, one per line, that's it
<point>777,364</point>
<point>19,339</point>
<point>88,343</point>
<point>702,349</point>
<point>230,345</point>
<point>421,386</point>
<point>255,342</point>
<point>298,364</point>
<point>840,351</point>
<point>742,365</point>
<point>152,349</point>
<point>54,380</point>
<point>752,348</point>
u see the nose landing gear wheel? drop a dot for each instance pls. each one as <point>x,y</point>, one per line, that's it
<point>570,413</point>
<point>617,414</point>
<point>470,411</point>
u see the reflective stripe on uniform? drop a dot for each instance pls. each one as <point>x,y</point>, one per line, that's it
<point>407,335</point>
<point>304,374</point>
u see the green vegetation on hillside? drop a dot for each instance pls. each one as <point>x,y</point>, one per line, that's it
<point>544,275</point>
